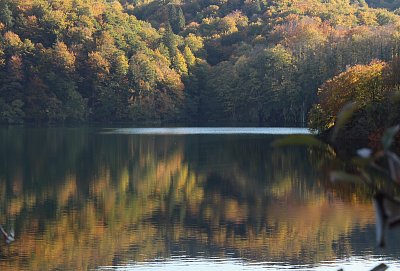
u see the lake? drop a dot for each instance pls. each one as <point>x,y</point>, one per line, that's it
<point>179,198</point>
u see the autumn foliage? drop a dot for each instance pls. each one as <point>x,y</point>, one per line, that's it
<point>247,61</point>
<point>374,90</point>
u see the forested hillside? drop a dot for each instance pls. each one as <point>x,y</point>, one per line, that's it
<point>259,61</point>
<point>389,4</point>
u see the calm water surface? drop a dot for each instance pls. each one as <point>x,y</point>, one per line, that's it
<point>174,199</point>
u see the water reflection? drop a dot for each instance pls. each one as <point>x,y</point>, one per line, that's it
<point>209,131</point>
<point>80,199</point>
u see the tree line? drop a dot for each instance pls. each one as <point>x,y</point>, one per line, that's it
<point>252,61</point>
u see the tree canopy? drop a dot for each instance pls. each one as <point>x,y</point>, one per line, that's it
<point>183,60</point>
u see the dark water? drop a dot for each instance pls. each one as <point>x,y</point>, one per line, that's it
<point>89,198</point>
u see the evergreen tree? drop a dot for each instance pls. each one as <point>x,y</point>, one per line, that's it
<point>172,17</point>
<point>6,16</point>
<point>170,41</point>
<point>180,20</point>
<point>176,18</point>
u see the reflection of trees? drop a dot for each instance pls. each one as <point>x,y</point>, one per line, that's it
<point>80,199</point>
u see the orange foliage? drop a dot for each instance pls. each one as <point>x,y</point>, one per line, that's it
<point>360,83</point>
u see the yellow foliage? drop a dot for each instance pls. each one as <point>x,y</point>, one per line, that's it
<point>98,63</point>
<point>98,8</point>
<point>360,83</point>
<point>12,39</point>
<point>63,57</point>
<point>194,42</point>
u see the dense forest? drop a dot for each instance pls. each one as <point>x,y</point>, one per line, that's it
<point>268,62</point>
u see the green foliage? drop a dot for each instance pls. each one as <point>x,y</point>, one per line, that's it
<point>170,41</point>
<point>12,113</point>
<point>75,107</point>
<point>389,4</point>
<point>189,56</point>
<point>261,61</point>
<point>179,63</point>
<point>6,16</point>
<point>176,18</point>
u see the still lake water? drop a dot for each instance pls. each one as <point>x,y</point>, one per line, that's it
<point>174,199</point>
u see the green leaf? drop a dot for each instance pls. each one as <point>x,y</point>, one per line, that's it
<point>341,176</point>
<point>388,136</point>
<point>296,140</point>
<point>343,117</point>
